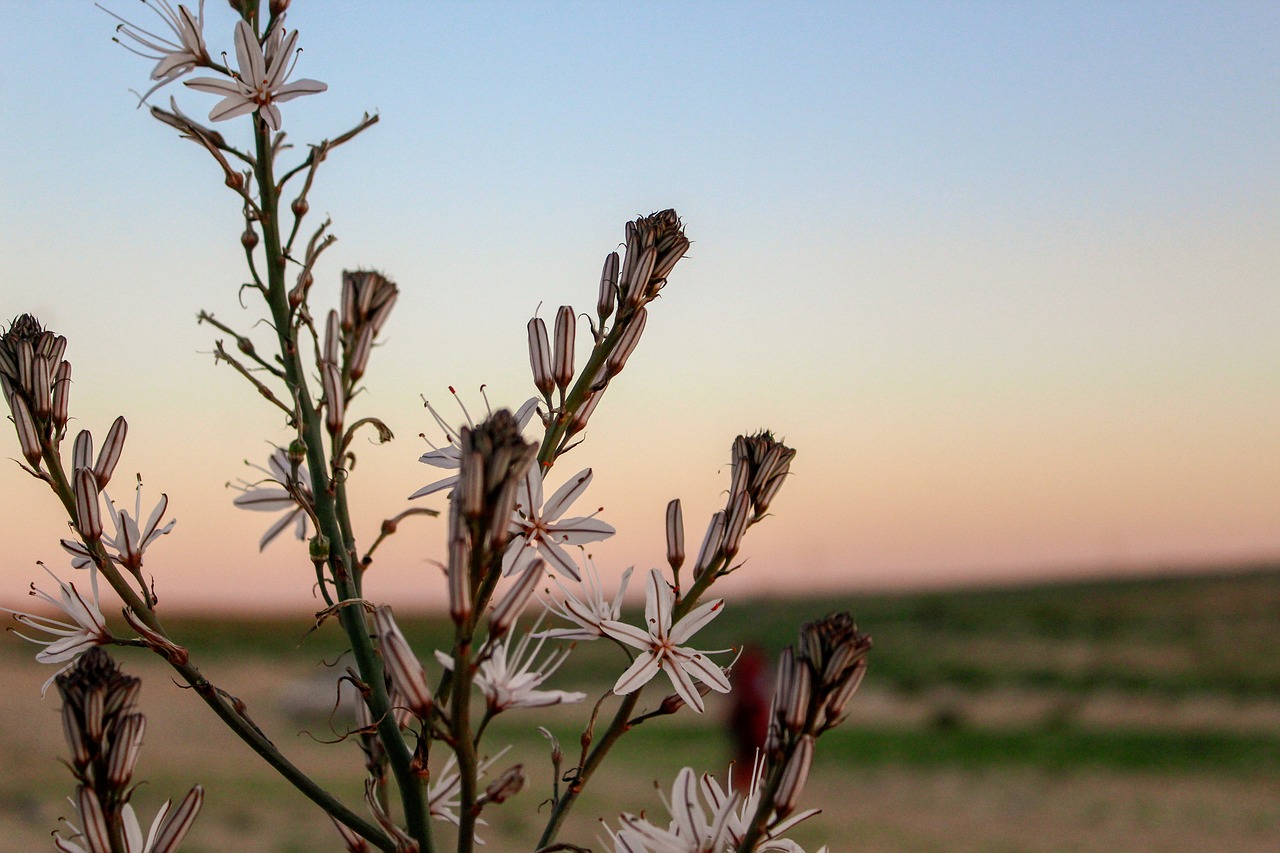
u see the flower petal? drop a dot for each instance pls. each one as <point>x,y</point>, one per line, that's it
<point>640,673</point>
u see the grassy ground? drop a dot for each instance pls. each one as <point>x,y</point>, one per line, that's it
<point>1117,716</point>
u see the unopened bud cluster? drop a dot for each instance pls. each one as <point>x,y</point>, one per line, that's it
<point>103,729</point>
<point>494,459</point>
<point>104,733</point>
<point>367,300</point>
<point>36,382</point>
<point>816,679</point>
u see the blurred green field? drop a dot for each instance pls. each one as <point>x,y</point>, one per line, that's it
<point>1127,715</point>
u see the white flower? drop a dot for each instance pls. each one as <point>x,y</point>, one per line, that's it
<point>175,55</point>
<point>590,611</point>
<point>661,646</point>
<point>443,795</point>
<point>539,525</point>
<point>262,498</point>
<point>86,629</point>
<point>449,457</point>
<point>129,544</point>
<point>510,680</point>
<point>690,831</point>
<point>740,818</point>
<point>259,85</point>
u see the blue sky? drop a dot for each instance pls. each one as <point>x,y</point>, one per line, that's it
<point>1006,273</point>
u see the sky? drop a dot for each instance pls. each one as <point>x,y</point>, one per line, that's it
<point>1005,274</point>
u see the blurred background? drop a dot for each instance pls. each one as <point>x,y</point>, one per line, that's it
<point>1006,276</point>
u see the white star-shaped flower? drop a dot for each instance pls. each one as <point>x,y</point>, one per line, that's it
<point>129,544</point>
<point>740,818</point>
<point>273,498</point>
<point>589,611</point>
<point>661,646</point>
<point>260,82</point>
<point>449,457</point>
<point>690,831</point>
<point>86,629</point>
<point>175,55</point>
<point>511,680</point>
<point>539,525</point>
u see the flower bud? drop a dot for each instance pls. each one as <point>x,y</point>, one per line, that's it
<point>109,455</point>
<point>62,395</point>
<point>794,777</point>
<point>710,549</point>
<point>580,417</point>
<point>297,452</point>
<point>566,326</point>
<point>82,450</point>
<point>335,401</point>
<point>360,355</point>
<point>126,744</point>
<point>404,667</point>
<point>508,610</point>
<point>28,438</point>
<point>459,568</point>
<point>608,288</point>
<point>506,785</point>
<point>675,535</point>
<point>540,357</point>
<point>735,526</point>
<point>93,822</point>
<point>332,340</point>
<point>249,239</point>
<point>299,205</point>
<point>627,342</point>
<point>88,507</point>
<point>42,387</point>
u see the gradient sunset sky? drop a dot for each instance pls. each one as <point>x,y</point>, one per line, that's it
<point>1006,274</point>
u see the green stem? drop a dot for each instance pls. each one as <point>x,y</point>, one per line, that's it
<point>326,509</point>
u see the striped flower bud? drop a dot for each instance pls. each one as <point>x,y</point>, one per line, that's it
<point>88,507</point>
<point>512,604</point>
<point>28,438</point>
<point>540,357</point>
<point>405,669</point>
<point>566,327</point>
<point>82,450</point>
<point>178,822</point>
<point>62,395</point>
<point>93,821</point>
<point>42,387</point>
<point>627,343</point>
<point>710,549</point>
<point>459,568</point>
<point>360,355</point>
<point>675,535</point>
<point>735,526</point>
<point>332,338</point>
<point>335,402</point>
<point>608,288</point>
<point>109,455</point>
<point>794,683</point>
<point>126,744</point>
<point>635,283</point>
<point>794,777</point>
<point>583,415</point>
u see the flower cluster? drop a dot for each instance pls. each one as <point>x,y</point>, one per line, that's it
<point>104,732</point>
<point>420,727</point>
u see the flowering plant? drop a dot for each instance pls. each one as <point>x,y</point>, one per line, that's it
<point>504,540</point>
